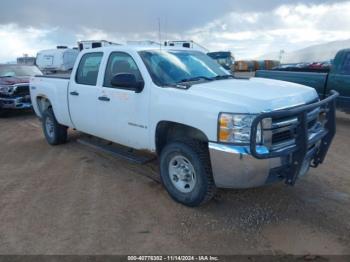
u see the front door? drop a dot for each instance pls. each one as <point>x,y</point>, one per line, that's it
<point>122,115</point>
<point>83,93</point>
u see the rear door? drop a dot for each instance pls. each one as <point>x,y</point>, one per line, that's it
<point>122,114</point>
<point>83,93</point>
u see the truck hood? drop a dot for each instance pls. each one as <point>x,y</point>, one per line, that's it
<point>12,80</point>
<point>256,94</point>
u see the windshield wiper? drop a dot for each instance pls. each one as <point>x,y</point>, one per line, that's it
<point>5,76</point>
<point>221,77</point>
<point>194,79</point>
<point>198,78</point>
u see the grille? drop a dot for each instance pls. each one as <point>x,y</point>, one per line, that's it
<point>283,130</point>
<point>282,136</point>
<point>21,90</point>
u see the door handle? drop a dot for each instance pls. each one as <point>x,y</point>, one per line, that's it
<point>104,98</point>
<point>74,93</point>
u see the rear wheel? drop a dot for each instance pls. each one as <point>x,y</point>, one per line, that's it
<point>55,133</point>
<point>186,172</point>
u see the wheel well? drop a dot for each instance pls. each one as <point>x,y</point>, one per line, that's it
<point>167,131</point>
<point>43,104</point>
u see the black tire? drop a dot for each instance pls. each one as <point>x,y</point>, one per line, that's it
<point>3,113</point>
<point>197,154</point>
<point>57,134</point>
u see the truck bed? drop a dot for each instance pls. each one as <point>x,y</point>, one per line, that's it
<point>55,90</point>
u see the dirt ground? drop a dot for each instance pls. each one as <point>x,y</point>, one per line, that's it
<point>71,199</point>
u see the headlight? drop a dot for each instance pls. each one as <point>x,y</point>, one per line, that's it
<point>236,128</point>
<point>6,89</point>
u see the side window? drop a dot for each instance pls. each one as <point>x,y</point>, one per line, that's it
<point>118,63</point>
<point>88,69</point>
<point>345,69</point>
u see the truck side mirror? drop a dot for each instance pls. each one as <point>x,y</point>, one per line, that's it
<point>127,81</point>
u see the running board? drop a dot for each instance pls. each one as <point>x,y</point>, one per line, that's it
<point>116,150</point>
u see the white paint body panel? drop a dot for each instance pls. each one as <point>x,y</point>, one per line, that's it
<point>55,90</point>
<point>131,119</point>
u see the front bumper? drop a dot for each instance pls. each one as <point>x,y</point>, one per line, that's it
<point>256,165</point>
<point>235,167</point>
<point>15,103</point>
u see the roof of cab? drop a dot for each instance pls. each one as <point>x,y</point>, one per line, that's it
<point>136,48</point>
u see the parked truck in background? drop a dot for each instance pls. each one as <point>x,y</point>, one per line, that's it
<point>225,59</point>
<point>337,79</point>
<point>14,87</point>
<point>208,129</point>
<point>26,60</point>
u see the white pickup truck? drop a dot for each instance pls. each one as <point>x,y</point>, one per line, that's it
<point>208,128</point>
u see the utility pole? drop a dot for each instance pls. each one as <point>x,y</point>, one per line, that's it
<point>282,52</point>
<point>159,34</point>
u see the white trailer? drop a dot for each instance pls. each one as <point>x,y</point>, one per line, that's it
<point>61,59</point>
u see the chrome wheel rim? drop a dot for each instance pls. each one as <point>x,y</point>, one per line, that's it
<point>182,174</point>
<point>49,127</point>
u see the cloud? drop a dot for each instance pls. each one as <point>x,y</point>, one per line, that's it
<point>289,27</point>
<point>248,29</point>
<point>132,15</point>
<point>16,41</point>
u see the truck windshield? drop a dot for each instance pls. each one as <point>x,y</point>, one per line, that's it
<point>18,70</point>
<point>170,67</point>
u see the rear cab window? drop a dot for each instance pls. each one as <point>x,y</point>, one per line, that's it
<point>88,68</point>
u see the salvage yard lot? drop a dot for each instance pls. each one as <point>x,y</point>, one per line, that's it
<point>71,199</point>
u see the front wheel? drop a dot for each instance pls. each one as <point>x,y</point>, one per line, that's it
<point>55,133</point>
<point>3,113</point>
<point>186,172</point>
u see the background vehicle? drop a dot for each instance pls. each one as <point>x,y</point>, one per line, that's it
<point>26,60</point>
<point>316,67</point>
<point>225,59</point>
<point>61,59</point>
<point>337,79</point>
<point>14,86</point>
<point>206,127</point>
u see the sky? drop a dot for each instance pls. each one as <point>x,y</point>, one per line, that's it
<point>248,28</point>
